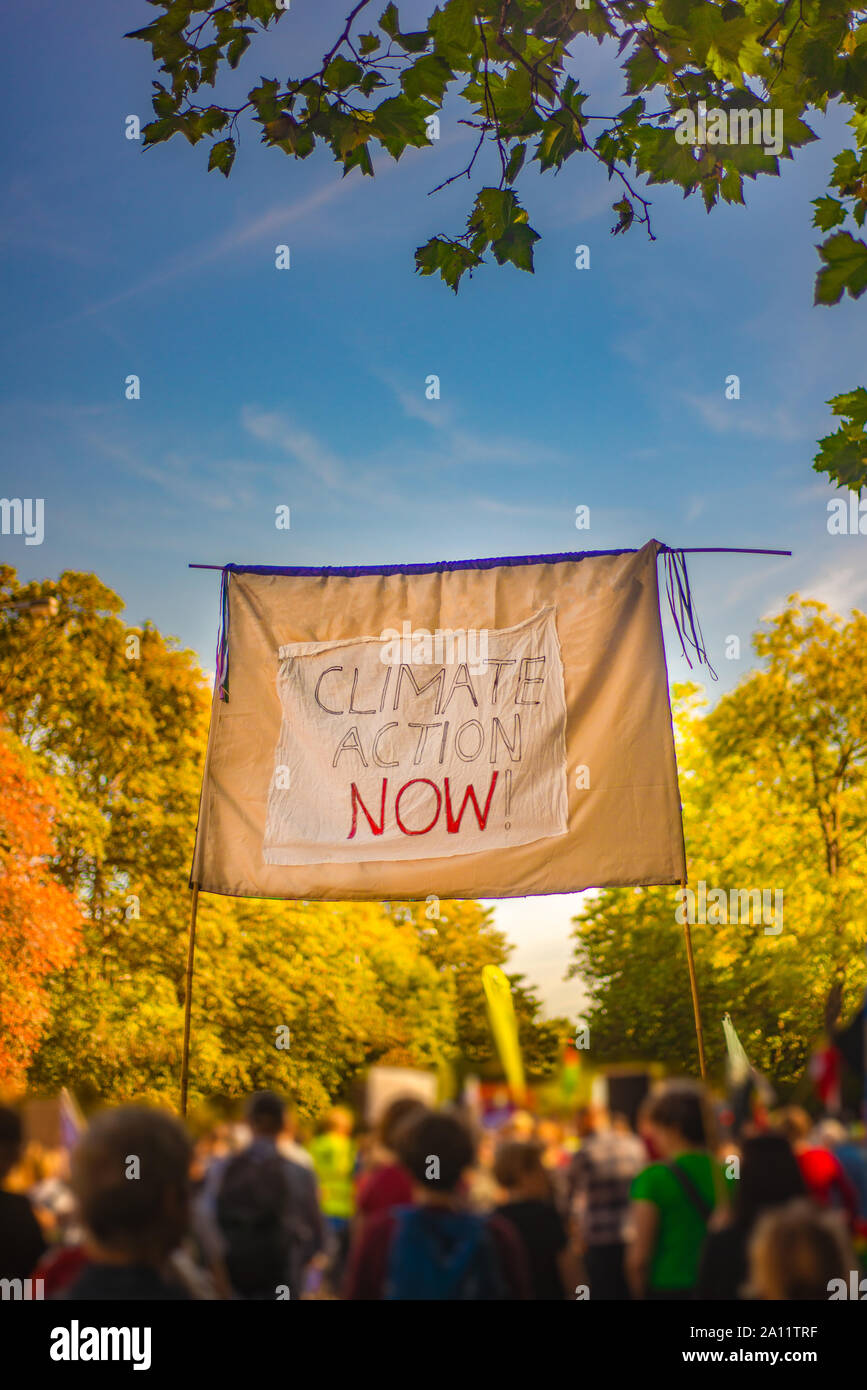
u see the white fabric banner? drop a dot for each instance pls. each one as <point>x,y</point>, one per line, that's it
<point>482,729</point>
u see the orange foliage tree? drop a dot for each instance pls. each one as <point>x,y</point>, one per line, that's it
<point>40,920</point>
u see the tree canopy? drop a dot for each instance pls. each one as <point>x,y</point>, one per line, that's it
<point>772,782</point>
<point>40,920</point>
<point>295,996</point>
<point>515,65</point>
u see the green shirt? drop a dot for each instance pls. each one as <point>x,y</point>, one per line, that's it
<point>681,1230</point>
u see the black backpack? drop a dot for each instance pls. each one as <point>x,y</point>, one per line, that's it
<point>254,1216</point>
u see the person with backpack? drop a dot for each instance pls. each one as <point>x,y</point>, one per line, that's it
<point>672,1200</point>
<point>258,1213</point>
<point>434,1249</point>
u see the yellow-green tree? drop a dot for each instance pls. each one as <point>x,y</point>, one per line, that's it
<point>119,715</point>
<point>772,782</point>
<point>460,937</point>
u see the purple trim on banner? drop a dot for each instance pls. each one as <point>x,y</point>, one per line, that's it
<point>222,675</point>
<point>356,571</point>
<point>683,610</point>
<point>677,588</point>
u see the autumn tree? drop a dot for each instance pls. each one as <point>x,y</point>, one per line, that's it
<point>120,715</point>
<point>40,920</point>
<point>515,68</point>
<point>772,782</point>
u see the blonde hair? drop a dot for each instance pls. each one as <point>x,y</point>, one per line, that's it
<point>796,1252</point>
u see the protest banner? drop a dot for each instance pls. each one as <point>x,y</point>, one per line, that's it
<point>487,729</point>
<point>469,729</point>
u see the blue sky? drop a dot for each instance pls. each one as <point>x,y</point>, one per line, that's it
<point>306,387</point>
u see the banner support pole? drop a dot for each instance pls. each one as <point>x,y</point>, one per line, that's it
<point>696,1007</point>
<point>188,1000</point>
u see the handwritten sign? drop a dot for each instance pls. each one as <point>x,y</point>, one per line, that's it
<point>382,759</point>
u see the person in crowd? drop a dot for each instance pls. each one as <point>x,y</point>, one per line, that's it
<point>130,1175</point>
<point>53,1200</point>
<point>769,1177</point>
<point>291,1145</point>
<point>258,1212</point>
<point>21,1240</point>
<point>479,1186</point>
<point>435,1249</point>
<point>520,1171</point>
<point>600,1176</point>
<point>334,1153</point>
<point>387,1184</point>
<point>797,1251</point>
<point>827,1181</point>
<point>520,1125</point>
<point>549,1136</point>
<point>832,1134</point>
<point>672,1199</point>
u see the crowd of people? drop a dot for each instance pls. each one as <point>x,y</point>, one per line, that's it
<point>435,1205</point>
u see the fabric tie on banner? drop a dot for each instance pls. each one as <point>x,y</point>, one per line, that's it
<point>486,729</point>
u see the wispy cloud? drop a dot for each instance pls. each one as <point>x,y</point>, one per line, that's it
<point>276,429</point>
<point>725,417</point>
<point>461,445</point>
<point>841,586</point>
<point>251,230</point>
<point>175,476</point>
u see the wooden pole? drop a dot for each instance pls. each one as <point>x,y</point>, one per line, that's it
<point>188,1000</point>
<point>696,1007</point>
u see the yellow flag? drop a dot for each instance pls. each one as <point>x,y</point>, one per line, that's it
<point>504,1026</point>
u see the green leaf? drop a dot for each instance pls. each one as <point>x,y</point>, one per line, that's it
<point>414,43</point>
<point>829,213</point>
<point>399,122</point>
<point>164,103</point>
<point>264,98</point>
<point>852,404</point>
<point>451,259</point>
<point>222,156</point>
<point>389,20</point>
<point>644,69</point>
<point>358,158</point>
<point>369,43</point>
<point>370,81</point>
<point>427,77</point>
<point>559,140</point>
<point>845,269</point>
<point>847,172</point>
<point>499,220</point>
<point>455,35</point>
<point>516,245</point>
<point>411,43</point>
<point>516,162</point>
<point>625,216</point>
<point>341,74</point>
<point>293,137</point>
<point>238,45</point>
<point>663,159</point>
<point>843,454</point>
<point>156,132</point>
<point>493,212</point>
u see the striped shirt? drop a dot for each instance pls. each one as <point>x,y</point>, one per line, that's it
<point>599,1180</point>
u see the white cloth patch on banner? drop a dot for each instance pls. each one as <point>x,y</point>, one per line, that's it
<point>382,756</point>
